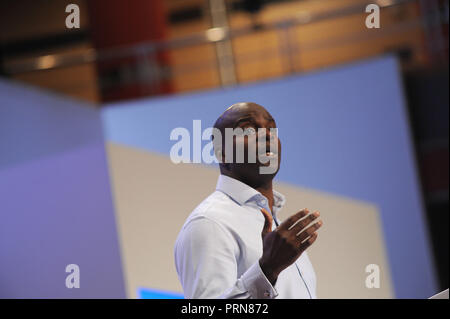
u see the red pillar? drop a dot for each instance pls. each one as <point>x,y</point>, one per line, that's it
<point>118,23</point>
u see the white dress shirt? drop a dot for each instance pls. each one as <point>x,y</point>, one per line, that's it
<point>218,249</point>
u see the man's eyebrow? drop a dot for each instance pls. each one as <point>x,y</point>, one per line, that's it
<point>252,120</point>
<point>244,119</point>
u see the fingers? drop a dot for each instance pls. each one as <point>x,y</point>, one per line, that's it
<point>308,242</point>
<point>302,235</point>
<point>267,223</point>
<point>299,225</point>
<point>293,219</point>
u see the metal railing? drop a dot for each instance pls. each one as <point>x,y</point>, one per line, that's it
<point>288,46</point>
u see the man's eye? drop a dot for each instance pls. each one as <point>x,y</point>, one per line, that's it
<point>249,131</point>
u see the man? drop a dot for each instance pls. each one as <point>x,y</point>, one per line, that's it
<point>232,245</point>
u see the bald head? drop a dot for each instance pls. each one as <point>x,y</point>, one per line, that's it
<point>240,111</point>
<point>249,117</point>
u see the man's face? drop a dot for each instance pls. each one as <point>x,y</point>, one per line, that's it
<point>259,139</point>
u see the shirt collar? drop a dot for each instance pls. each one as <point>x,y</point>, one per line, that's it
<point>242,193</point>
<point>278,200</point>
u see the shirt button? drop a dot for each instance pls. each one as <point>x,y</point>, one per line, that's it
<point>267,293</point>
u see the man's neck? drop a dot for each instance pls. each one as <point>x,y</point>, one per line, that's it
<point>264,188</point>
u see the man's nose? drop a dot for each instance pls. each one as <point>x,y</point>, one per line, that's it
<point>271,134</point>
<point>268,135</point>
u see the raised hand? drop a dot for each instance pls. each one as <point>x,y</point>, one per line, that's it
<point>287,242</point>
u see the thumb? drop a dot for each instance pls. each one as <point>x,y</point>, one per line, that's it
<point>267,223</point>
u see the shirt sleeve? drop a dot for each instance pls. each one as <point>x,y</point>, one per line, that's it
<point>206,262</point>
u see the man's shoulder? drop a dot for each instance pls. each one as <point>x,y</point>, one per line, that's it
<point>215,207</point>
<point>214,213</point>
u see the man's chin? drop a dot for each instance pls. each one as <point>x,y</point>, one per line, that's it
<point>260,166</point>
<point>268,170</point>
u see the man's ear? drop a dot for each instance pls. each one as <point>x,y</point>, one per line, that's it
<point>219,155</point>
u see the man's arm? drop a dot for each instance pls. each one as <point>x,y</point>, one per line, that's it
<point>205,257</point>
<point>206,253</point>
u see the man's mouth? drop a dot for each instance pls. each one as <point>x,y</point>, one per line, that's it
<point>271,150</point>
